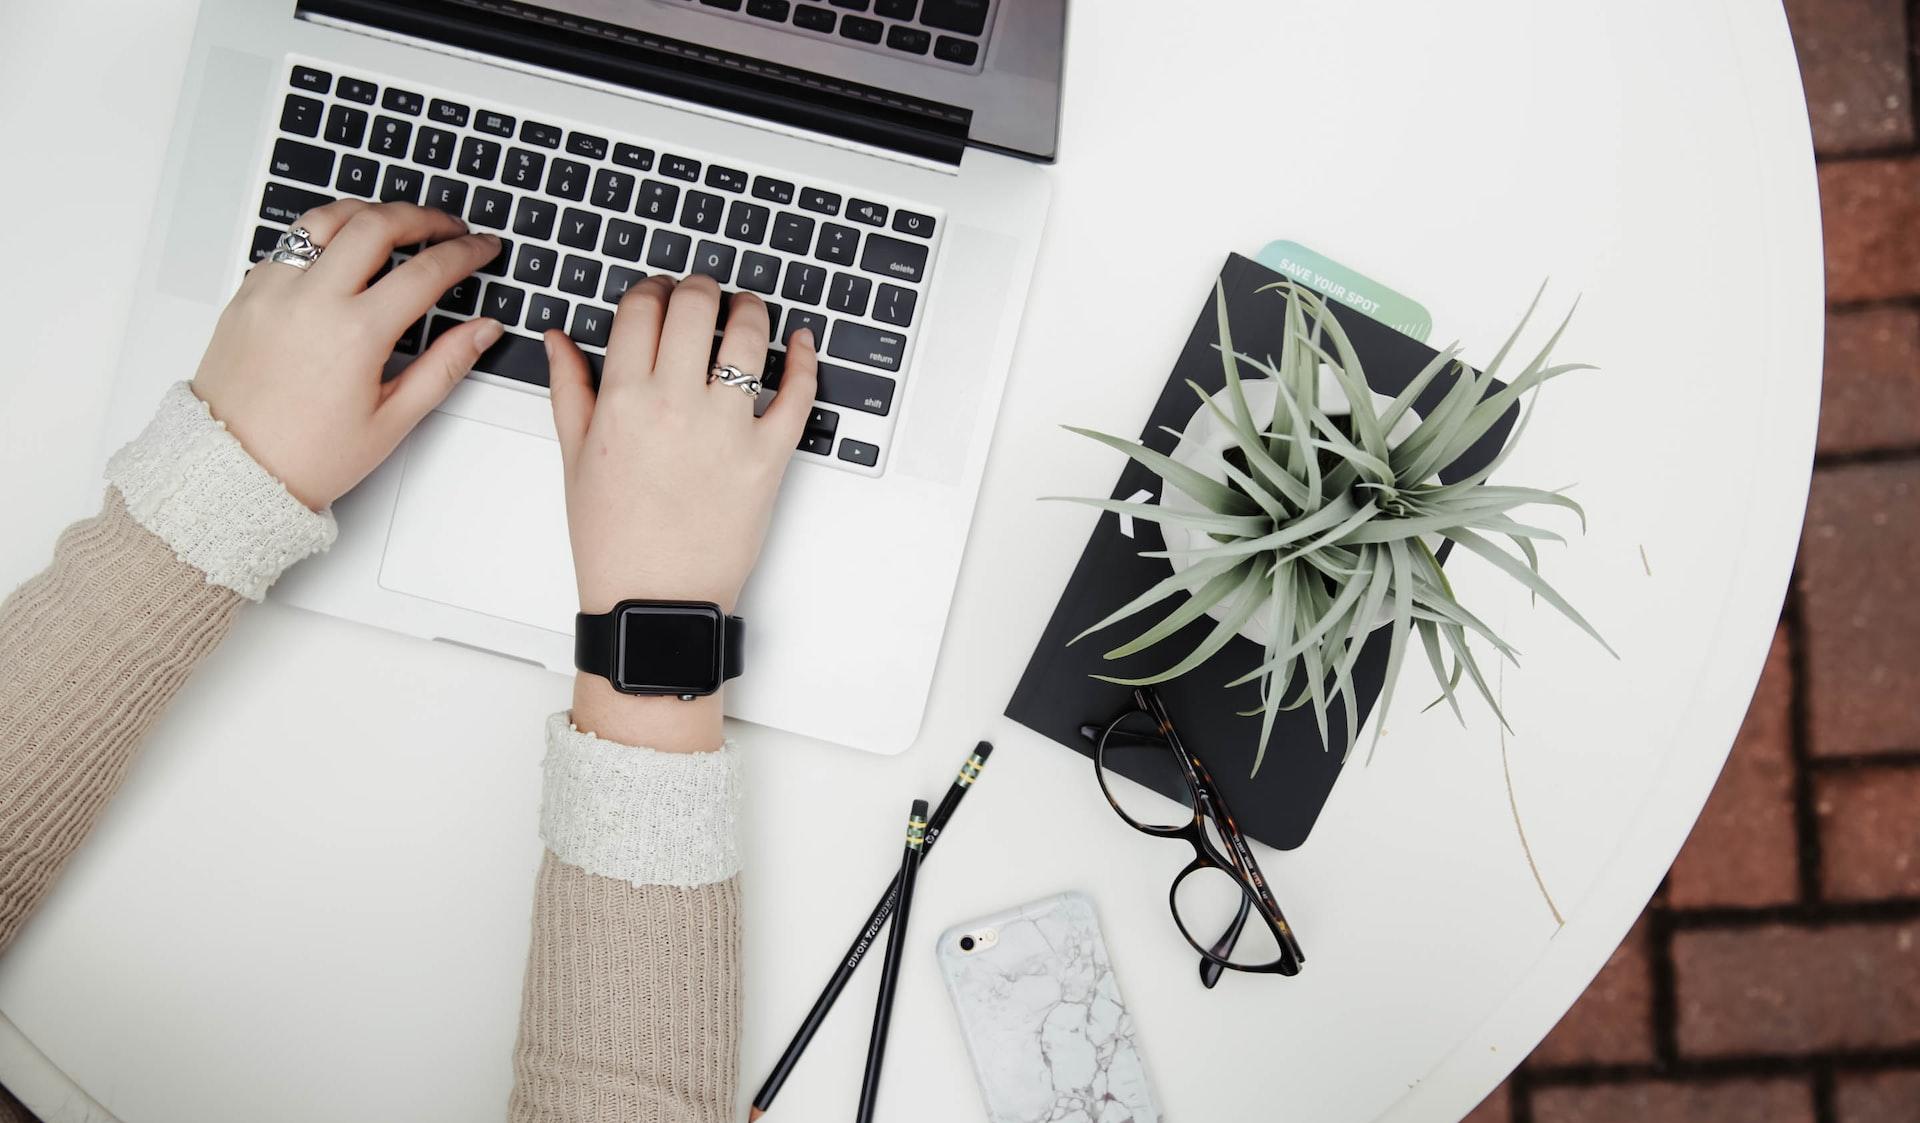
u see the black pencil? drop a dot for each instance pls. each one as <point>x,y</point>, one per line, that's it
<point>890,966</point>
<point>876,920</point>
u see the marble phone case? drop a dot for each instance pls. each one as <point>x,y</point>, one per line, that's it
<point>1049,1034</point>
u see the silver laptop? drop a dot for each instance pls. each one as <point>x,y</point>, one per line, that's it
<point>874,169</point>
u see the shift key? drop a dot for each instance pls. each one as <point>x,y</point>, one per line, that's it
<point>854,389</point>
<point>862,344</point>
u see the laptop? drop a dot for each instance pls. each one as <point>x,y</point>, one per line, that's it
<point>874,169</point>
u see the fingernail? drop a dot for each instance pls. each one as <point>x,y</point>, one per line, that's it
<point>489,333</point>
<point>548,340</point>
<point>807,333</point>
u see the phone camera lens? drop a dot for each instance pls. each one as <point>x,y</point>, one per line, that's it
<point>966,943</point>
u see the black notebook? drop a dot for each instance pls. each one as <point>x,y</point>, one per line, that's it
<point>1057,694</point>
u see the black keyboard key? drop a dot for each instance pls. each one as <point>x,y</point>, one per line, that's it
<point>657,200</point>
<point>524,359</point>
<point>390,136</point>
<point>679,167</point>
<point>546,136</point>
<point>850,5</point>
<point>912,40</point>
<point>876,347</point>
<point>702,212</point>
<point>859,452</point>
<point>968,17</point>
<point>726,179</point>
<point>479,159</point>
<point>619,280</point>
<point>838,243</point>
<point>546,312</point>
<point>848,294</point>
<point>303,162</point>
<point>805,283</point>
<point>775,10</point>
<point>264,239</point>
<point>491,208</point>
<point>861,29</point>
<point>855,389</point>
<point>307,78</point>
<point>579,229</point>
<point>723,5</point>
<point>356,89</point>
<point>801,318</point>
<point>962,52</point>
<point>449,195</point>
<point>591,324</point>
<point>873,214</point>
<point>402,185</point>
<point>895,305</point>
<point>535,265</point>
<point>894,9</point>
<point>580,275</point>
<point>434,148</point>
<point>773,190</point>
<point>588,145</point>
<point>462,298</point>
<point>668,251</point>
<point>773,327</point>
<point>411,340</point>
<point>612,190</point>
<point>633,156</point>
<point>568,180</point>
<point>523,169</point>
<point>447,112</point>
<point>814,199</point>
<point>715,259</point>
<point>747,222</point>
<point>282,204</point>
<point>503,303</point>
<point>759,272</point>
<point>822,421</point>
<point>300,115</point>
<point>891,257</point>
<point>910,222</point>
<point>813,18</point>
<point>792,233</point>
<point>533,218</point>
<point>402,101</point>
<point>498,266</point>
<point>817,443</point>
<point>623,240</point>
<point>358,176</point>
<point>346,126</point>
<point>491,121</point>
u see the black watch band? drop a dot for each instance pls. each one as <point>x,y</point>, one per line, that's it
<point>684,649</point>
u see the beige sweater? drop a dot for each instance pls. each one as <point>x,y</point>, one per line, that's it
<point>631,1000</point>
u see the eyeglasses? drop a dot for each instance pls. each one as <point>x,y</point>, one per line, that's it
<point>1222,889</point>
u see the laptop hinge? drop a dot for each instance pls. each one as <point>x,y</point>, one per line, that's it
<point>670,68</point>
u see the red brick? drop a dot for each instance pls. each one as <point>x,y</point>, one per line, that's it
<point>1612,1023</point>
<point>1743,850</point>
<point>1793,990</point>
<point>1870,395</point>
<point>1853,63</point>
<point>1859,581</point>
<point>1496,1108</point>
<point>1883,1097</point>
<point>1869,833</point>
<point>1871,213</point>
<point>1722,1101</point>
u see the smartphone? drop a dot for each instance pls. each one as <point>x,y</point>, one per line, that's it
<point>1048,1033</point>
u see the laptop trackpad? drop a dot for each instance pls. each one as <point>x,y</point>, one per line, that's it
<point>481,524</point>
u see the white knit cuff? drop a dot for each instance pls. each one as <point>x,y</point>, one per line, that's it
<point>639,815</point>
<point>186,479</point>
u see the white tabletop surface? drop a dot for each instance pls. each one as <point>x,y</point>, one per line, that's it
<point>310,901</point>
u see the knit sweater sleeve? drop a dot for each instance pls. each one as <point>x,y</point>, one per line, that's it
<point>94,647</point>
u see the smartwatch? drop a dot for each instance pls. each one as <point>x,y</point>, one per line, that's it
<point>685,649</point>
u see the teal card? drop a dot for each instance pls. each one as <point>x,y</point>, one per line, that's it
<point>1337,282</point>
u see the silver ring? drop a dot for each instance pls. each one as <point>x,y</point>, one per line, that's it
<point>728,375</point>
<point>295,248</point>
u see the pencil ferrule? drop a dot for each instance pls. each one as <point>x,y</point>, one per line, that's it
<point>970,771</point>
<point>916,833</point>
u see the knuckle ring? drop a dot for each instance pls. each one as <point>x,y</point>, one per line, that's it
<point>729,375</point>
<point>295,248</point>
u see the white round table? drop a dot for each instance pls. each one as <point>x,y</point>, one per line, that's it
<point>310,901</point>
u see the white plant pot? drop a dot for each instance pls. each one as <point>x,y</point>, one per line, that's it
<point>1205,437</point>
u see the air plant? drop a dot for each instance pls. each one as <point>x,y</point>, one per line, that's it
<point>1330,529</point>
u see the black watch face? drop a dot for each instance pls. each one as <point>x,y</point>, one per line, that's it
<point>669,649</point>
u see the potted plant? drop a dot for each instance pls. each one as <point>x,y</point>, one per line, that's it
<point>1303,511</point>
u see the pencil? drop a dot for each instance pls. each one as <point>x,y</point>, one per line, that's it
<point>876,920</point>
<point>890,966</point>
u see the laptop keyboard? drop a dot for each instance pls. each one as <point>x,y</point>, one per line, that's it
<point>583,214</point>
<point>949,32</point>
